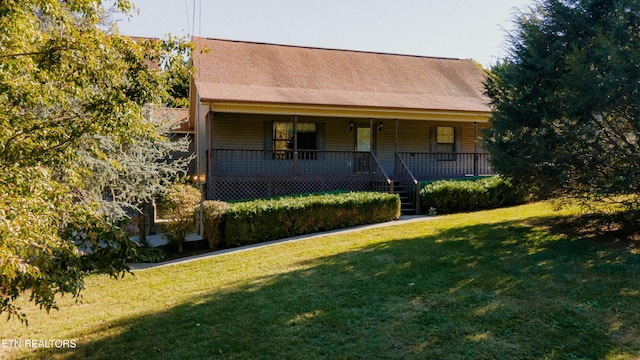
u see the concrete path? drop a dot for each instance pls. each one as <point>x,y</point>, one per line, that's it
<point>158,240</point>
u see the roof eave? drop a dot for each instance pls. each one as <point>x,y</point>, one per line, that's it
<point>329,110</point>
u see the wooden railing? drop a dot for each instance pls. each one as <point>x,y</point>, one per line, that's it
<point>227,162</point>
<point>380,180</point>
<point>436,165</point>
<point>408,181</point>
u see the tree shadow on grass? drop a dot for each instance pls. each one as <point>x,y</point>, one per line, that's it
<point>509,290</point>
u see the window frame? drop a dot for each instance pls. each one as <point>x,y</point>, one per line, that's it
<point>445,143</point>
<point>307,148</point>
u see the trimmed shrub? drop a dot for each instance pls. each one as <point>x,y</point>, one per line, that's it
<point>451,196</point>
<point>264,220</point>
<point>147,254</point>
<point>212,221</point>
<point>424,183</point>
<point>179,205</point>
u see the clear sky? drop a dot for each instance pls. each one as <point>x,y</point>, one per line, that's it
<point>473,29</point>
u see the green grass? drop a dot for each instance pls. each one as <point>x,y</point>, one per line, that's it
<point>500,284</point>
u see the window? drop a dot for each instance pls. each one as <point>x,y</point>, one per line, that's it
<point>445,140</point>
<point>446,143</point>
<point>363,139</point>
<point>283,140</point>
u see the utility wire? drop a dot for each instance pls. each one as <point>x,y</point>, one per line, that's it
<point>186,9</point>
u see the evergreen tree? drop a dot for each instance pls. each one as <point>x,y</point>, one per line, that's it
<point>566,101</point>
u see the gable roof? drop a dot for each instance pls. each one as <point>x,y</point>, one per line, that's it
<point>246,72</point>
<point>180,118</point>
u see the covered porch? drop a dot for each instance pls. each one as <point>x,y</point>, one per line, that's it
<point>265,155</point>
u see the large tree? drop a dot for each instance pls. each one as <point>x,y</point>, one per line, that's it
<point>566,101</point>
<point>68,81</point>
<point>123,177</point>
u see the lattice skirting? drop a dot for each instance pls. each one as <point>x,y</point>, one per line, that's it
<point>241,187</point>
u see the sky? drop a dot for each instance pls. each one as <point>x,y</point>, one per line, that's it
<point>474,29</point>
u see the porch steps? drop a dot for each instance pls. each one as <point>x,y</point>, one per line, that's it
<point>407,205</point>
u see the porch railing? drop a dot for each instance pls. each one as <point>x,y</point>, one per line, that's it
<point>233,162</point>
<point>240,174</point>
<point>435,165</point>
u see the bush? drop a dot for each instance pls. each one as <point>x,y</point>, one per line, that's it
<point>264,220</point>
<point>212,221</point>
<point>451,196</point>
<point>147,254</point>
<point>179,205</point>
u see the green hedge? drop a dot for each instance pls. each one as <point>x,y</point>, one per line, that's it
<point>424,183</point>
<point>257,221</point>
<point>213,221</point>
<point>451,196</point>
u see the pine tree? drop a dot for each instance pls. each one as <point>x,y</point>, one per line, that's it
<point>566,101</point>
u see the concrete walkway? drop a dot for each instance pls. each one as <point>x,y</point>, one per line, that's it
<point>157,240</point>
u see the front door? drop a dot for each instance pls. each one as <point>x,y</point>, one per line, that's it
<point>363,148</point>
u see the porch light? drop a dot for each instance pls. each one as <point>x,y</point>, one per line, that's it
<point>351,125</point>
<point>380,126</point>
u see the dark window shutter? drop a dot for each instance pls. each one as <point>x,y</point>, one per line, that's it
<point>268,139</point>
<point>433,139</point>
<point>320,140</point>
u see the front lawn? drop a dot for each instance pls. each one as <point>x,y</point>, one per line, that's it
<point>499,284</point>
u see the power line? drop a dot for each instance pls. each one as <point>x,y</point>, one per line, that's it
<point>186,9</point>
<point>193,19</point>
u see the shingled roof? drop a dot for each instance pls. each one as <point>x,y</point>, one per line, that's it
<point>246,72</point>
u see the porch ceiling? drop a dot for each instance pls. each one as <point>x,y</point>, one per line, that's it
<point>348,112</point>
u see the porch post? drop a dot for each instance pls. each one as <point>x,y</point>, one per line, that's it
<point>371,129</point>
<point>475,148</point>
<point>395,121</point>
<point>210,159</point>
<point>371,135</point>
<point>295,145</point>
<point>395,148</point>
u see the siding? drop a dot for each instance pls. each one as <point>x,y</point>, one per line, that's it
<point>238,131</point>
<point>337,136</point>
<point>414,136</point>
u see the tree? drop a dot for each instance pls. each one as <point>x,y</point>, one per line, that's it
<point>566,117</point>
<point>67,82</point>
<point>122,177</point>
<point>179,74</point>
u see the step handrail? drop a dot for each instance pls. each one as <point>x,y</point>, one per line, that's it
<point>416,183</point>
<point>384,173</point>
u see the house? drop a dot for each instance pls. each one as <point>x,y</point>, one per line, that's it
<point>279,119</point>
<point>183,128</point>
